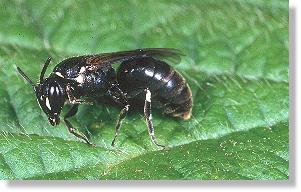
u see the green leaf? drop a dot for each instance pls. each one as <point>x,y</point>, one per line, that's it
<point>236,64</point>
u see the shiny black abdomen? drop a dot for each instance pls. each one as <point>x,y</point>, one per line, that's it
<point>170,92</point>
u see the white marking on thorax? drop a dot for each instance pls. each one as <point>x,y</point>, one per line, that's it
<point>149,73</point>
<point>82,69</point>
<point>48,104</point>
<point>80,79</point>
<point>59,74</point>
<point>148,95</point>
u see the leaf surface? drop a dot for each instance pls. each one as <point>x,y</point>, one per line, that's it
<point>236,64</point>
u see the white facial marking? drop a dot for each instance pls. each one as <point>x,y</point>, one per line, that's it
<point>82,69</point>
<point>51,91</point>
<point>57,89</point>
<point>48,104</point>
<point>79,79</point>
<point>59,74</point>
<point>148,95</point>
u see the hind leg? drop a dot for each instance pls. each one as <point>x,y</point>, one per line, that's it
<point>148,117</point>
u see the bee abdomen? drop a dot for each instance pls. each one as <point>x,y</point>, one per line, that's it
<point>169,90</point>
<point>175,97</point>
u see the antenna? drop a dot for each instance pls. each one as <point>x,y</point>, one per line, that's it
<point>44,69</point>
<point>26,78</point>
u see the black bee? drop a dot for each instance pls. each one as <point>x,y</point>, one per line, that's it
<point>142,78</point>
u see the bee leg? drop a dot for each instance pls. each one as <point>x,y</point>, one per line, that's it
<point>73,99</point>
<point>148,117</point>
<point>117,95</point>
<point>121,116</point>
<point>71,129</point>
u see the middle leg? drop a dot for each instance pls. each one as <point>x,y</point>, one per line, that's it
<point>121,116</point>
<point>117,95</point>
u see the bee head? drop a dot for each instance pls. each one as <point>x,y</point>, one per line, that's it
<point>50,94</point>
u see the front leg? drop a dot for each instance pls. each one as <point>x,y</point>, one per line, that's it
<point>72,99</point>
<point>71,129</point>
